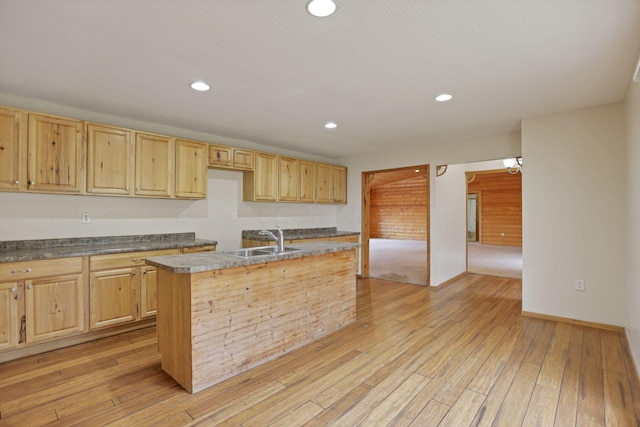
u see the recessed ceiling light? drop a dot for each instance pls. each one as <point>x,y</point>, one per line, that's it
<point>321,8</point>
<point>330,125</point>
<point>443,97</point>
<point>200,86</point>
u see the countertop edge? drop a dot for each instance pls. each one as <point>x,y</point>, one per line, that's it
<point>98,249</point>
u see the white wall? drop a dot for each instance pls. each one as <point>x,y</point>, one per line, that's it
<point>45,216</point>
<point>448,224</point>
<point>633,229</point>
<point>449,256</point>
<point>574,214</point>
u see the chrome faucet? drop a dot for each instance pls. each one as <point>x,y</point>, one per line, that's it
<point>279,238</point>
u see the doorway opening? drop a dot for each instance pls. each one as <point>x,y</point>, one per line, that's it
<point>494,223</point>
<point>395,224</point>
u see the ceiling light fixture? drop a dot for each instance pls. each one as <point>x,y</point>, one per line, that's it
<point>330,125</point>
<point>443,97</point>
<point>513,165</point>
<point>321,8</point>
<point>200,86</point>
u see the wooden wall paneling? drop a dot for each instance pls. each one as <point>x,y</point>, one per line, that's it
<point>399,210</point>
<point>500,208</point>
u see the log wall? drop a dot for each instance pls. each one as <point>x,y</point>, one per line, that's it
<point>399,210</point>
<point>500,195</point>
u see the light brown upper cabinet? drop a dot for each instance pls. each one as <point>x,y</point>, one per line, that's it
<point>261,184</point>
<point>332,184</point>
<point>191,169</point>
<point>288,180</point>
<point>154,162</point>
<point>307,181</point>
<point>110,160</point>
<point>13,150</point>
<point>242,159</point>
<point>56,154</point>
<point>224,157</point>
<point>339,184</point>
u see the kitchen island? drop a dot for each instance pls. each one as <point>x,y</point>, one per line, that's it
<point>219,315</point>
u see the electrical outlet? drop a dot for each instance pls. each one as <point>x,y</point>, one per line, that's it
<point>183,216</point>
<point>234,216</point>
<point>580,285</point>
<point>86,218</point>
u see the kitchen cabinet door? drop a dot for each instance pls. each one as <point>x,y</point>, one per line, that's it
<point>9,318</point>
<point>339,184</point>
<point>56,154</point>
<point>242,159</point>
<point>324,183</point>
<point>148,291</point>
<point>191,169</point>
<point>154,165</point>
<point>13,150</point>
<point>307,181</point>
<point>288,178</point>
<point>54,307</point>
<point>261,184</point>
<point>113,297</point>
<point>220,156</point>
<point>110,160</point>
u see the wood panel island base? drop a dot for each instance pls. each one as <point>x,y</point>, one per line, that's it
<point>239,313</point>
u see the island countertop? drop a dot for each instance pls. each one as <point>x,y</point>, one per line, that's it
<point>208,261</point>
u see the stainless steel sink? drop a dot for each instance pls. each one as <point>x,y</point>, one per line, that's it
<point>259,251</point>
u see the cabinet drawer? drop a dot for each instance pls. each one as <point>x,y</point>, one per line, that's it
<point>128,259</point>
<point>347,239</point>
<point>25,270</point>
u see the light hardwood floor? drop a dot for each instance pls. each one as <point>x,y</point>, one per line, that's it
<point>455,356</point>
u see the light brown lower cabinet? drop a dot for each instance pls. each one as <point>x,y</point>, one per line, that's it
<point>41,301</point>
<point>122,288</point>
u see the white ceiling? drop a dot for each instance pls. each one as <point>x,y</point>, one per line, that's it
<point>277,74</point>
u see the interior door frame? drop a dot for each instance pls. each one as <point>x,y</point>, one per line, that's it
<point>367,178</point>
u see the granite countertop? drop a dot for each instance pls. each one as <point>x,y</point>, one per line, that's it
<point>300,233</point>
<point>207,261</point>
<point>29,250</point>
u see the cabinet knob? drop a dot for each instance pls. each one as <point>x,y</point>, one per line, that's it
<point>29,286</point>
<point>13,290</point>
<point>137,188</point>
<point>32,183</point>
<point>126,189</point>
<point>28,270</point>
<point>16,182</point>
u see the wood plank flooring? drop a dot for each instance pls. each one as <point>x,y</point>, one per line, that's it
<point>460,355</point>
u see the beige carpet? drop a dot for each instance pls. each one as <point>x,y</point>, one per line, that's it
<point>503,261</point>
<point>398,260</point>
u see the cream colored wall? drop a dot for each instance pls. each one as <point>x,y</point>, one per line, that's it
<point>43,216</point>
<point>449,247</point>
<point>632,110</point>
<point>448,225</point>
<point>574,214</point>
